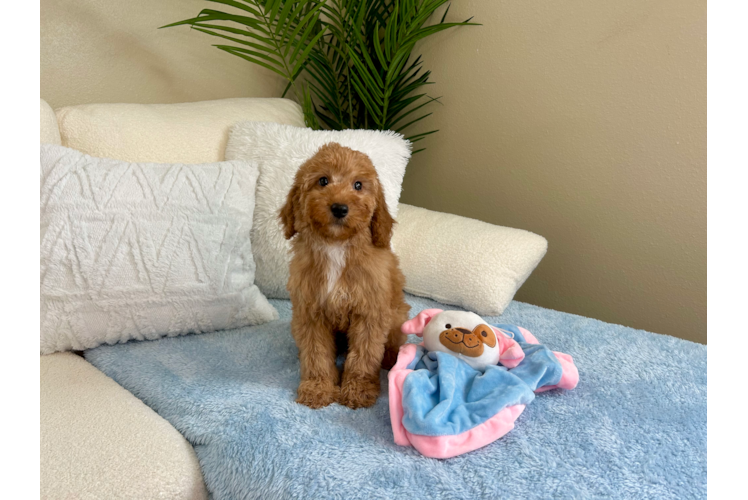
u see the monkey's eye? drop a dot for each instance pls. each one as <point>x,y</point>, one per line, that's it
<point>323,181</point>
<point>357,186</point>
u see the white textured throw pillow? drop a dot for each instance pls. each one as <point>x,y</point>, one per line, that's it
<point>279,151</point>
<point>461,261</point>
<point>141,251</point>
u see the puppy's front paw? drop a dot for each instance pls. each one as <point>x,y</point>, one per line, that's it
<point>317,394</point>
<point>359,393</point>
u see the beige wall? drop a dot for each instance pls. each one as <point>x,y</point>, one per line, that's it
<point>112,51</point>
<point>584,122</point>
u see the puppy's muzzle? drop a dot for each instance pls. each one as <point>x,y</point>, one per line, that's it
<point>338,210</point>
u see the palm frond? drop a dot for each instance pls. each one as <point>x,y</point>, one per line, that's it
<point>349,62</point>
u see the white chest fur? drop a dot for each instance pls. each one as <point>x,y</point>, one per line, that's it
<point>335,256</point>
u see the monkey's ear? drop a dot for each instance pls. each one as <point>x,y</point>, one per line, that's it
<point>289,212</point>
<point>381,223</point>
<point>417,324</point>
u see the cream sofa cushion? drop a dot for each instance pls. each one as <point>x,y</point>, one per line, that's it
<point>464,262</point>
<point>50,132</point>
<point>194,132</point>
<point>100,441</point>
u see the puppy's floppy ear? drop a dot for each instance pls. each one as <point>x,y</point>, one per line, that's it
<point>381,222</point>
<point>289,211</point>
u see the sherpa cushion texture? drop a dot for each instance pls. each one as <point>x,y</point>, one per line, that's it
<point>464,262</point>
<point>635,426</point>
<point>138,251</point>
<point>49,131</point>
<point>98,441</point>
<point>190,132</point>
<point>279,151</point>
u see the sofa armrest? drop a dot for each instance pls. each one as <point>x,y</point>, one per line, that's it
<point>464,262</point>
<point>100,441</point>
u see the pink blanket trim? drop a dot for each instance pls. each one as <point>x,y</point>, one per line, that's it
<point>570,376</point>
<point>396,379</point>
<point>477,437</point>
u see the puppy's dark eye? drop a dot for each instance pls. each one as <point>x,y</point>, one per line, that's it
<point>323,181</point>
<point>357,186</point>
<point>447,326</point>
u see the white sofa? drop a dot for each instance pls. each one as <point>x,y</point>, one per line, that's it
<point>97,439</point>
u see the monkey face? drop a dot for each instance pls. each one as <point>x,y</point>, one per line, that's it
<point>464,335</point>
<point>469,343</point>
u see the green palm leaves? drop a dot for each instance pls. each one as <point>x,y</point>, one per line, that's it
<point>349,62</point>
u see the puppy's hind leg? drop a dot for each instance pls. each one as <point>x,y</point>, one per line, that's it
<point>396,337</point>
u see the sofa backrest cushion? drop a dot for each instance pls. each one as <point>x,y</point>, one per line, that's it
<point>194,132</point>
<point>50,132</point>
<point>464,262</point>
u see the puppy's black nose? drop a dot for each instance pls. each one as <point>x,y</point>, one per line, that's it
<point>339,210</point>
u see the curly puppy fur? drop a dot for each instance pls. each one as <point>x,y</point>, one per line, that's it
<point>346,287</point>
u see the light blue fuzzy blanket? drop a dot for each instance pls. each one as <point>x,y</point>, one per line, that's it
<point>635,426</point>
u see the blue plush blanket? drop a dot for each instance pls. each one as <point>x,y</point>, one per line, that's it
<point>635,426</point>
<point>445,396</point>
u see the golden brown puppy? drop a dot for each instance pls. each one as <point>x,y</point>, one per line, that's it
<point>346,287</point>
